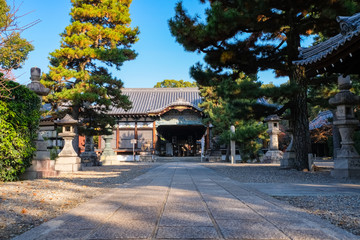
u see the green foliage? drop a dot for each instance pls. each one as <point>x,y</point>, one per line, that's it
<point>98,37</point>
<point>54,153</point>
<point>320,93</point>
<point>19,120</point>
<point>233,103</point>
<point>171,83</point>
<point>13,49</point>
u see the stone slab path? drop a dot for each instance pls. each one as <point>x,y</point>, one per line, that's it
<point>185,201</point>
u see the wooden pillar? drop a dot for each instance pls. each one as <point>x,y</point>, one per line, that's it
<point>154,136</point>
<point>207,146</point>
<point>117,137</point>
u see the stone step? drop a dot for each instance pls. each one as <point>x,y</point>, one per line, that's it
<point>178,159</point>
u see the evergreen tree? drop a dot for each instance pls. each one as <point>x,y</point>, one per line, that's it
<point>98,37</point>
<point>171,83</point>
<point>231,103</point>
<point>248,36</point>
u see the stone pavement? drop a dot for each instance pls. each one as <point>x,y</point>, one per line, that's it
<point>185,201</point>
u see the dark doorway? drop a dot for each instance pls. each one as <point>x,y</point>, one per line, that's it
<point>180,140</point>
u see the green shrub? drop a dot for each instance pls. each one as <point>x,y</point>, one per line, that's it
<point>19,121</point>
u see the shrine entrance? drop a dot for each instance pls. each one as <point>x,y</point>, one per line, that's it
<point>179,133</point>
<point>181,141</point>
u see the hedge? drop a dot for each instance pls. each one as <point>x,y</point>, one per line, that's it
<point>19,121</point>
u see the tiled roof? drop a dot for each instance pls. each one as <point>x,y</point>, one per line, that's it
<point>151,100</point>
<point>321,120</point>
<point>350,30</point>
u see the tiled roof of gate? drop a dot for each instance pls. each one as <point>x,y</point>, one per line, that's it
<point>149,100</point>
<point>321,120</point>
<point>350,29</point>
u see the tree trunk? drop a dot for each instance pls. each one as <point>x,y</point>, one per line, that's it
<point>299,114</point>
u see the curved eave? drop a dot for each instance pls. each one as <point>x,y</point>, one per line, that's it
<point>335,55</point>
<point>179,108</point>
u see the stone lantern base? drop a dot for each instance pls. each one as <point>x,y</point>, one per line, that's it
<point>273,156</point>
<point>346,166</point>
<point>89,159</point>
<point>68,164</point>
<point>41,166</point>
<point>109,160</point>
<point>40,169</point>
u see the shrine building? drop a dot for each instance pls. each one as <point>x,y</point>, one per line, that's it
<point>164,121</point>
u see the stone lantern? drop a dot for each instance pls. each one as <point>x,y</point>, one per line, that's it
<point>347,161</point>
<point>41,165</point>
<point>108,155</point>
<point>68,160</point>
<point>273,154</point>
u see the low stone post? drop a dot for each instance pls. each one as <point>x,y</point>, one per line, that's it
<point>347,161</point>
<point>108,155</point>
<point>68,160</point>
<point>232,145</point>
<point>41,165</point>
<point>273,155</point>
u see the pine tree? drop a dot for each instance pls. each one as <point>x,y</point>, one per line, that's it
<point>235,103</point>
<point>98,37</point>
<point>248,36</point>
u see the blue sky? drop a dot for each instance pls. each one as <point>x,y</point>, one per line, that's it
<point>160,56</point>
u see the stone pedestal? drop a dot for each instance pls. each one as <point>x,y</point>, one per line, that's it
<point>273,155</point>
<point>288,159</point>
<point>146,157</point>
<point>41,166</point>
<point>347,161</point>
<point>89,157</point>
<point>108,156</point>
<point>68,160</point>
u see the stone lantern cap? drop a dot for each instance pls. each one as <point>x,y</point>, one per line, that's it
<point>35,84</point>
<point>272,118</point>
<point>67,120</point>
<point>344,97</point>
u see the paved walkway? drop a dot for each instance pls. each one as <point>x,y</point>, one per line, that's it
<point>187,201</point>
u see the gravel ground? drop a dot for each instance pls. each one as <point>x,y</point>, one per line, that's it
<point>341,210</point>
<point>271,173</point>
<point>27,204</point>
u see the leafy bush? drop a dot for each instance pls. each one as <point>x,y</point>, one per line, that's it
<point>19,121</point>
